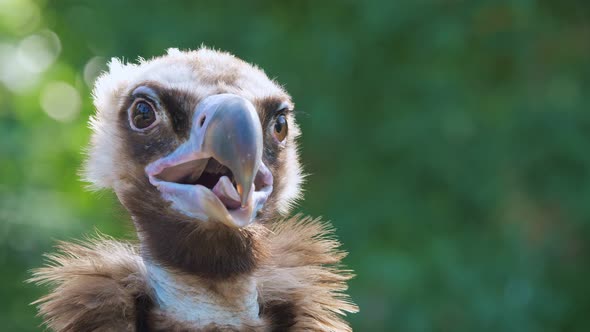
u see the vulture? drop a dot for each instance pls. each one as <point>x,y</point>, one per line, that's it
<point>200,149</point>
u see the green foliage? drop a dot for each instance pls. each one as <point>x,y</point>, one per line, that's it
<point>446,140</point>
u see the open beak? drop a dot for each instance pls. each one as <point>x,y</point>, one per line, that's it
<point>217,174</point>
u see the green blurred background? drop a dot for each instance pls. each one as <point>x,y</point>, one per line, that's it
<point>448,141</point>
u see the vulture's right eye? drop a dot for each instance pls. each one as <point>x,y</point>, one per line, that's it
<point>143,115</point>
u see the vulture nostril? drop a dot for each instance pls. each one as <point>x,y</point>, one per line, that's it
<point>202,121</point>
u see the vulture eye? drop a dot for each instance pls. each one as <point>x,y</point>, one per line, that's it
<point>280,128</point>
<point>142,115</point>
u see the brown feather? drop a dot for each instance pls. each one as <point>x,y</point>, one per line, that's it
<point>95,285</point>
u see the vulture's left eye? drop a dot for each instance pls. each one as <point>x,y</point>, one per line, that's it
<point>143,115</point>
<point>280,128</point>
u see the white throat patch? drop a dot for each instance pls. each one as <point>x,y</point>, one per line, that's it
<point>199,306</point>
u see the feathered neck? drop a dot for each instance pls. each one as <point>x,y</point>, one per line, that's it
<point>103,284</point>
<point>200,302</point>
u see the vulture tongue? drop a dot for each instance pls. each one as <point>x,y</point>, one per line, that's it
<point>226,192</point>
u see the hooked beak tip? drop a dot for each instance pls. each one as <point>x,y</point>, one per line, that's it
<point>243,198</point>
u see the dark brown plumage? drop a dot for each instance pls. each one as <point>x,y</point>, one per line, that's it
<point>204,262</point>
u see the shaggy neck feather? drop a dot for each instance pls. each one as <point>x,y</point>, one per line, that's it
<point>200,302</point>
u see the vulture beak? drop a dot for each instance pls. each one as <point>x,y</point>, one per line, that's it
<point>218,173</point>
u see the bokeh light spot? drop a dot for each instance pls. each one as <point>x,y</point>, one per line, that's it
<point>37,52</point>
<point>61,101</point>
<point>19,16</point>
<point>12,74</point>
<point>93,68</point>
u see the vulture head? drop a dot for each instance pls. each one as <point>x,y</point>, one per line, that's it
<point>200,148</point>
